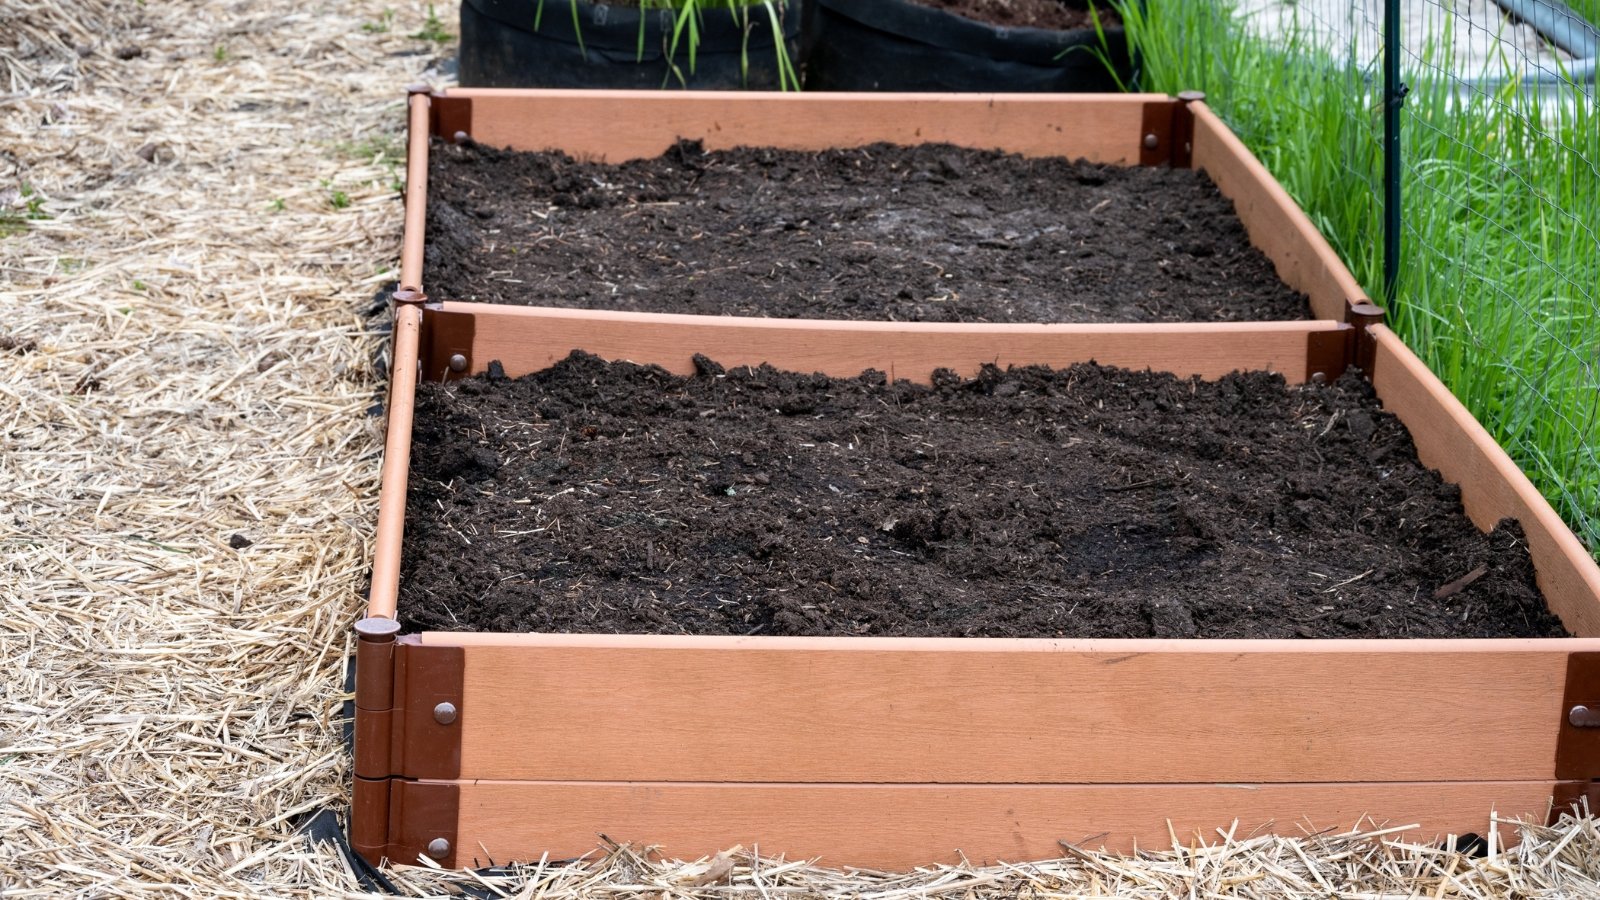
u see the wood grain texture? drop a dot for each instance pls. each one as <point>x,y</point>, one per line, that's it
<point>1276,224</point>
<point>529,338</point>
<point>957,711</point>
<point>901,827</point>
<point>615,126</point>
<point>1493,487</point>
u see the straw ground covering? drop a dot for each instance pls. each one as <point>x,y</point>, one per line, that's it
<point>198,206</point>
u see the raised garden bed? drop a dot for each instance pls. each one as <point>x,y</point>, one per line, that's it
<point>1082,502</point>
<point>1113,208</point>
<point>966,223</point>
<point>926,233</point>
<point>480,747</point>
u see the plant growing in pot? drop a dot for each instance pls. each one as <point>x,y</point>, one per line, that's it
<point>1055,46</point>
<point>703,44</point>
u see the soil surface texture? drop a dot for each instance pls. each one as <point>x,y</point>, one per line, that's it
<point>1084,502</point>
<point>1050,14</point>
<point>930,233</point>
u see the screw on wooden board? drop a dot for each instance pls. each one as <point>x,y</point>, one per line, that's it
<point>444,713</point>
<point>409,297</point>
<point>458,363</point>
<point>418,88</point>
<point>461,137</point>
<point>438,848</point>
<point>1578,740</point>
<point>377,628</point>
<point>1151,142</point>
<point>1191,96</point>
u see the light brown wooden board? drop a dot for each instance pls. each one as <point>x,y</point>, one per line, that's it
<point>971,710</point>
<point>900,827</point>
<point>387,543</point>
<point>528,339</point>
<point>1451,440</point>
<point>384,592</point>
<point>1276,224</point>
<point>411,247</point>
<point>615,126</point>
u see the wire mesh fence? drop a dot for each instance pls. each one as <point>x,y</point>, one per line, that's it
<point>1499,261</point>
<point>1496,283</point>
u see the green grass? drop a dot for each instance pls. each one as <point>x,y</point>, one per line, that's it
<point>1589,9</point>
<point>1500,284</point>
<point>382,24</point>
<point>15,222</point>
<point>375,148</point>
<point>433,29</point>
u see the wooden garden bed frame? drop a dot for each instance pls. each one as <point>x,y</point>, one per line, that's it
<point>477,748</point>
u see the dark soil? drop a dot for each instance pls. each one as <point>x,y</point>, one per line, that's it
<point>1086,502</point>
<point>930,233</point>
<point>1050,14</point>
<point>9,344</point>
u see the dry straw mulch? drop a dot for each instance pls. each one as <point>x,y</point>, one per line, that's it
<point>197,205</point>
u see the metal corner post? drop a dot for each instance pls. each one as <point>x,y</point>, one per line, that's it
<point>1394,95</point>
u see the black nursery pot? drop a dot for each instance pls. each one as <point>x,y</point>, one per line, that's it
<point>501,48</point>
<point>895,45</point>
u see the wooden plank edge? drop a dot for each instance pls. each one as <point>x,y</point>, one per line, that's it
<point>492,313</point>
<point>1270,216</point>
<point>1493,487</point>
<point>812,98</point>
<point>916,710</point>
<point>383,595</point>
<point>384,590</point>
<point>582,123</point>
<point>416,195</point>
<point>529,339</point>
<point>1110,647</point>
<point>904,826</point>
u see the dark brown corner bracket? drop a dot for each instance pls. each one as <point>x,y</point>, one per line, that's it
<point>1329,353</point>
<point>409,296</point>
<point>446,345</point>
<point>1363,314</point>
<point>408,727</point>
<point>1578,741</point>
<point>1166,136</point>
<point>450,117</point>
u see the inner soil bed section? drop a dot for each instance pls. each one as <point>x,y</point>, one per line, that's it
<point>1085,502</point>
<point>925,233</point>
